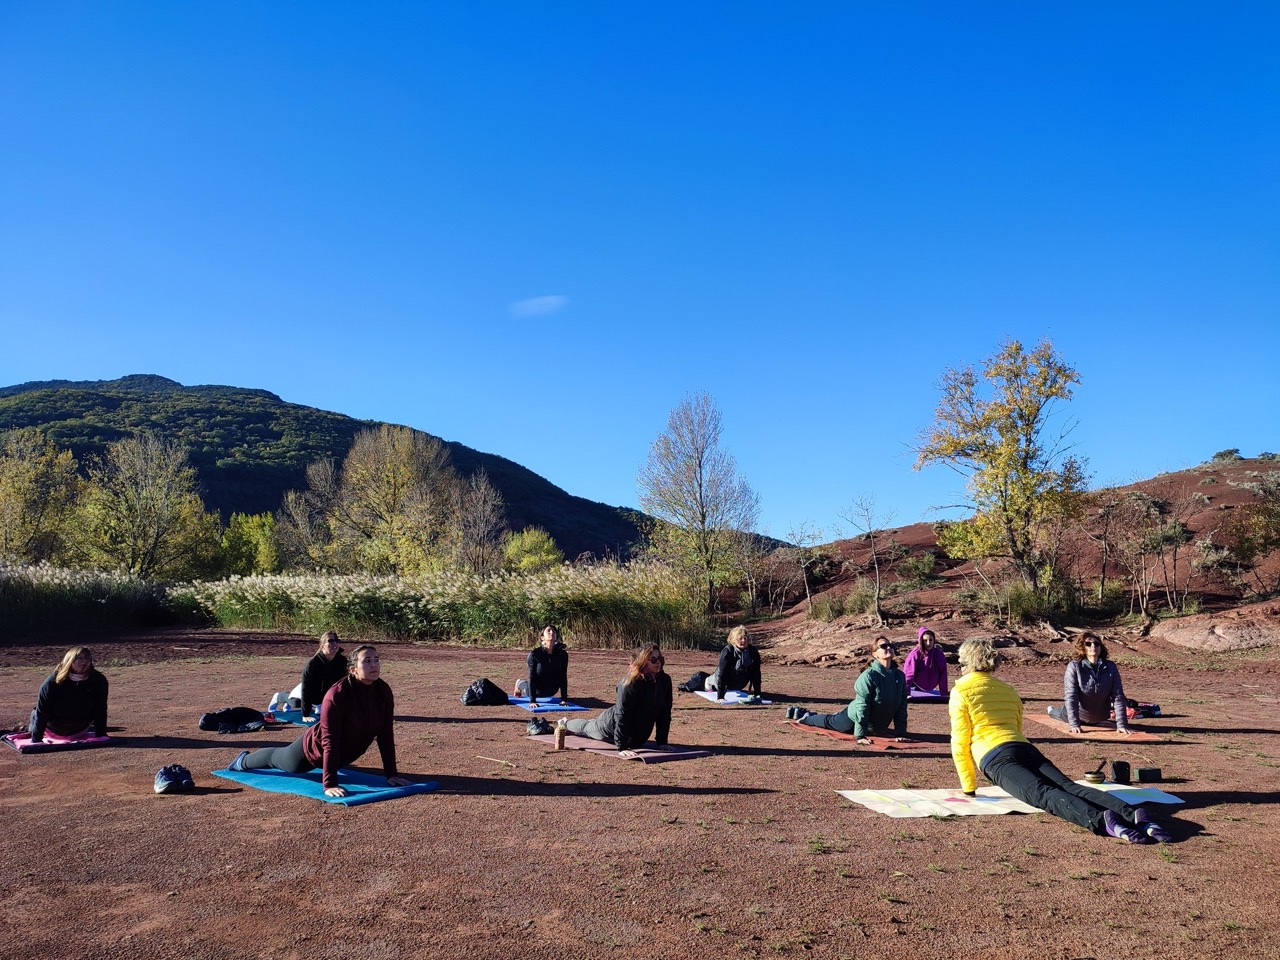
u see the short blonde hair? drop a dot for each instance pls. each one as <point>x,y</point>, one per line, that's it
<point>979,655</point>
<point>737,633</point>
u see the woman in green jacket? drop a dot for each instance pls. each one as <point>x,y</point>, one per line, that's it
<point>880,699</point>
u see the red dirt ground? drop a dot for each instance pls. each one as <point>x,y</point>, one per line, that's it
<point>529,853</point>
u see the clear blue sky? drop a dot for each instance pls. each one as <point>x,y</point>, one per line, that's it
<point>534,227</point>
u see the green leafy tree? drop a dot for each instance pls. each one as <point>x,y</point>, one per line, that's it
<point>1021,484</point>
<point>1254,534</point>
<point>530,550</point>
<point>249,544</point>
<point>691,483</point>
<point>396,505</point>
<point>38,489</point>
<point>141,514</point>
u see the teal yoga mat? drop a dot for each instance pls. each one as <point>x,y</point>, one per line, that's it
<point>361,787</point>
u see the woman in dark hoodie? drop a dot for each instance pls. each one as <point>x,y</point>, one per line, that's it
<point>549,668</point>
<point>322,671</point>
<point>72,700</point>
<point>644,703</point>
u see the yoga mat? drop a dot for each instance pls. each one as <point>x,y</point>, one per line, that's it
<point>51,742</point>
<point>361,787</point>
<point>730,697</point>
<point>290,716</point>
<point>1105,731</point>
<point>937,803</point>
<point>545,706</point>
<point>989,801</point>
<point>877,743</point>
<point>926,695</point>
<point>645,754</point>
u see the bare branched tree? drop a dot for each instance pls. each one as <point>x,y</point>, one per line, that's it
<point>690,482</point>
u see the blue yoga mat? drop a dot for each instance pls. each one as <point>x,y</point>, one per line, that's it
<point>294,717</point>
<point>361,787</point>
<point>544,706</point>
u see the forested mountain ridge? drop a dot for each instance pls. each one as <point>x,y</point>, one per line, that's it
<point>249,446</point>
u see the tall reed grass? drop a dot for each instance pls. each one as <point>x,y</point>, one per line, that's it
<point>35,599</point>
<point>598,606</point>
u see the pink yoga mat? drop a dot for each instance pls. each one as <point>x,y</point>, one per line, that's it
<point>877,743</point>
<point>645,754</point>
<point>22,742</point>
<point>1105,731</point>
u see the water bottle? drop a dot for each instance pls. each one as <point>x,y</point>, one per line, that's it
<point>560,732</point>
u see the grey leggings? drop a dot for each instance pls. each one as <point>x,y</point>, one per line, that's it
<point>290,759</point>
<point>588,728</point>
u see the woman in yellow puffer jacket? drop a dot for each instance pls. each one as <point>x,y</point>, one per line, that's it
<point>986,735</point>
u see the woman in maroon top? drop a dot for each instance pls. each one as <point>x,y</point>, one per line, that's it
<point>356,710</point>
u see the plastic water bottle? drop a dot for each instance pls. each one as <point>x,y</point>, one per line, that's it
<point>560,732</point>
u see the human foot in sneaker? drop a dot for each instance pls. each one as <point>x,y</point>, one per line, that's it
<point>238,763</point>
<point>1116,827</point>
<point>1142,820</point>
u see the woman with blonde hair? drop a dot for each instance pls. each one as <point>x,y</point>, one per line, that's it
<point>643,707</point>
<point>1091,688</point>
<point>738,667</point>
<point>986,735</point>
<point>322,671</point>
<point>72,700</point>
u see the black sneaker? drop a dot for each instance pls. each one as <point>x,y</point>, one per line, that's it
<point>167,781</point>
<point>185,780</point>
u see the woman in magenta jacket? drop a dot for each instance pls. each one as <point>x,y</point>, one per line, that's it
<point>925,667</point>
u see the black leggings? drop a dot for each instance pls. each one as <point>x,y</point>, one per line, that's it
<point>290,759</point>
<point>1025,773</point>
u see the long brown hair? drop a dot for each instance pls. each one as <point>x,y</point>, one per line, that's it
<point>641,661</point>
<point>64,668</point>
<point>326,637</point>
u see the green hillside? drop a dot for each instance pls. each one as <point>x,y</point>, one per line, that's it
<point>249,447</point>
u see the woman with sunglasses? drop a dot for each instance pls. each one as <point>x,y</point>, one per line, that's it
<point>880,699</point>
<point>644,703</point>
<point>1091,688</point>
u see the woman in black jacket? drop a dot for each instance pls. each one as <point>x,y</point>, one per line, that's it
<point>644,703</point>
<point>739,666</point>
<point>322,671</point>
<point>549,668</point>
<point>72,700</point>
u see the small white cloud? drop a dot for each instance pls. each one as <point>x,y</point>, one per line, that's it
<point>539,306</point>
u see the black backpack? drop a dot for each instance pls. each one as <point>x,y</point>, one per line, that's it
<point>233,720</point>
<point>484,693</point>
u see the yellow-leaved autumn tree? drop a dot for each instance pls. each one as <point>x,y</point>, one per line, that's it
<point>993,426</point>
